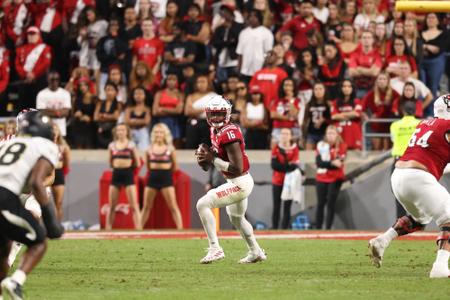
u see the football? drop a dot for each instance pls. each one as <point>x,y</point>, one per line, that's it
<point>201,154</point>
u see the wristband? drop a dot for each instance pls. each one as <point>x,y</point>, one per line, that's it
<point>220,164</point>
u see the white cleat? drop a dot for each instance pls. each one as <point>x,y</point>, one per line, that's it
<point>254,257</point>
<point>376,251</point>
<point>214,254</point>
<point>439,271</point>
<point>12,289</point>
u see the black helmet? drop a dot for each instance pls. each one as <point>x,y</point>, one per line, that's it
<point>34,123</point>
<point>21,115</point>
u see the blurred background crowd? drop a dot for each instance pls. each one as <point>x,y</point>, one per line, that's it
<point>292,64</point>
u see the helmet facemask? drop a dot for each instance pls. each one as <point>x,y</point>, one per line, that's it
<point>218,118</point>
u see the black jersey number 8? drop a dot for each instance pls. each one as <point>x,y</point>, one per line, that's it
<point>12,154</point>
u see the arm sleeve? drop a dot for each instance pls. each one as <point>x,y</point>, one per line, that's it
<point>277,166</point>
<point>323,164</point>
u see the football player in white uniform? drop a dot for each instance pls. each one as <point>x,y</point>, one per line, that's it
<point>25,162</point>
<point>30,202</point>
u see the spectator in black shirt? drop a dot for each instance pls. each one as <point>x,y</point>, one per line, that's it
<point>129,32</point>
<point>111,50</point>
<point>225,40</point>
<point>198,32</point>
<point>180,52</point>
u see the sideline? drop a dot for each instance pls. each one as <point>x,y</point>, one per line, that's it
<point>272,235</point>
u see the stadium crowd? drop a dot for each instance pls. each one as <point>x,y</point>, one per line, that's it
<point>282,63</point>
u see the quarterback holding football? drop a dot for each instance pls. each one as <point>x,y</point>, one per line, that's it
<point>227,154</point>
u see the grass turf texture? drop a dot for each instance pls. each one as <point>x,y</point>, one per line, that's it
<point>170,269</point>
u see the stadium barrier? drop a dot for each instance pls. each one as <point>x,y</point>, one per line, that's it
<point>366,133</point>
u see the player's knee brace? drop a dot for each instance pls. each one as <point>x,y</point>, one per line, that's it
<point>407,224</point>
<point>444,236</point>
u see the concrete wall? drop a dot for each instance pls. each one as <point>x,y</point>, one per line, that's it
<point>366,204</point>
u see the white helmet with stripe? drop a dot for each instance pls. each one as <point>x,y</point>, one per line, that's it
<point>442,107</point>
<point>218,111</point>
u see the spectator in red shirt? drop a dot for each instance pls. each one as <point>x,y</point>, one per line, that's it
<point>48,18</point>
<point>72,9</point>
<point>365,65</point>
<point>165,31</point>
<point>301,25</point>
<point>141,75</point>
<point>285,158</point>
<point>16,16</point>
<point>408,95</point>
<point>400,53</point>
<point>382,43</point>
<point>348,42</point>
<point>269,79</point>
<point>149,48</point>
<point>32,62</point>
<point>330,156</point>
<point>284,111</point>
<point>349,11</point>
<point>346,112</point>
<point>332,70</point>
<point>378,102</point>
<point>4,77</point>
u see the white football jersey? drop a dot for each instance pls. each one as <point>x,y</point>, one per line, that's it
<point>19,156</point>
<point>6,138</point>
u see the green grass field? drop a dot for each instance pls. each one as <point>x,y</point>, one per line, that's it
<point>296,269</point>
